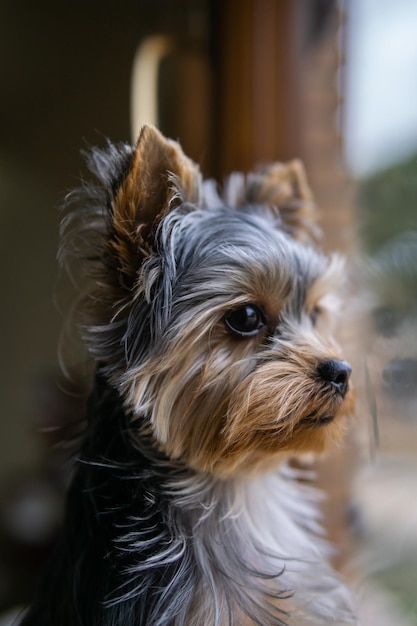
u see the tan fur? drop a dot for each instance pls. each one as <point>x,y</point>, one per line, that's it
<point>210,408</point>
<point>161,175</point>
<point>224,418</point>
<point>285,186</point>
<point>147,194</point>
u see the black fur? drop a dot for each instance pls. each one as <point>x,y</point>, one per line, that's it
<point>113,487</point>
<point>121,514</point>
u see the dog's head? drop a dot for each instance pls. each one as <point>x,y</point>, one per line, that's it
<point>211,314</point>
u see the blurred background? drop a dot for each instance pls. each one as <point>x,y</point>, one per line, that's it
<point>240,83</point>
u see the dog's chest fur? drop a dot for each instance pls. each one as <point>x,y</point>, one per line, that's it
<point>149,542</point>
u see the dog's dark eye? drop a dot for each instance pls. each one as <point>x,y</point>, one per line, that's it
<point>245,321</point>
<point>386,321</point>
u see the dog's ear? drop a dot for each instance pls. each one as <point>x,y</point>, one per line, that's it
<point>285,186</point>
<point>159,178</point>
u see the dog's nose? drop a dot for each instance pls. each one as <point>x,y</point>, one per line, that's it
<point>399,376</point>
<point>336,373</point>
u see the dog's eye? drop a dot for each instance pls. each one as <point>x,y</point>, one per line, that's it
<point>245,321</point>
<point>386,321</point>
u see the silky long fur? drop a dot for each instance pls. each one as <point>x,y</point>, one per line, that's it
<point>183,509</point>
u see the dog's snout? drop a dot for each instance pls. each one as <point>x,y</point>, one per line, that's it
<point>337,373</point>
<point>399,376</point>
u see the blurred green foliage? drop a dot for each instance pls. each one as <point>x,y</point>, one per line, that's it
<point>388,204</point>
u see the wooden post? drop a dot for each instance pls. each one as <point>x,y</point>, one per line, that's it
<point>257,47</point>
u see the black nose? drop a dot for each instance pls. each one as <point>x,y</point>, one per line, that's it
<point>399,376</point>
<point>337,373</point>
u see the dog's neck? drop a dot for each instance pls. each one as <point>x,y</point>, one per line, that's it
<point>230,543</point>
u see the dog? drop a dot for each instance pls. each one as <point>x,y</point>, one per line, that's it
<point>208,317</point>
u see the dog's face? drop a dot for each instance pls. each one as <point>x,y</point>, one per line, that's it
<point>212,317</point>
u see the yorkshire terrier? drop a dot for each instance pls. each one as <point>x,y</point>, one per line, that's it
<point>209,320</point>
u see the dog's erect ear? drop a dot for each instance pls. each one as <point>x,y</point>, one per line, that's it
<point>159,178</point>
<point>285,186</point>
